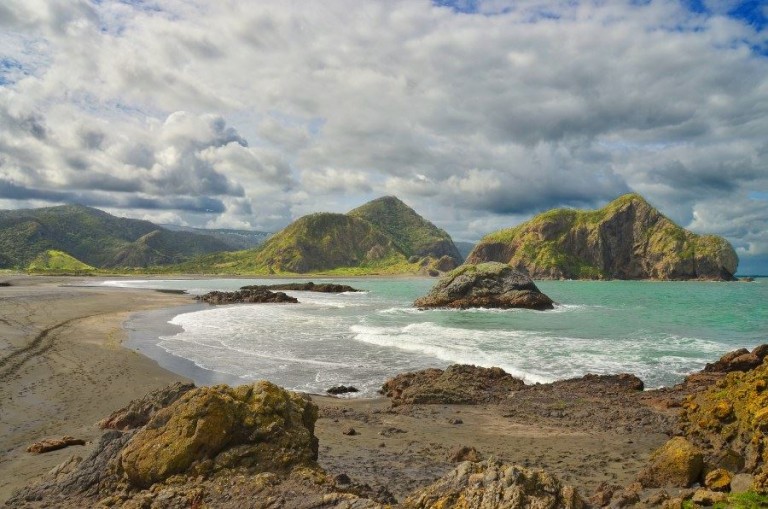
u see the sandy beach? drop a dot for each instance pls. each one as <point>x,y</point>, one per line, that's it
<point>62,368</point>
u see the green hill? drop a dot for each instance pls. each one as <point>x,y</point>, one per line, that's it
<point>384,236</point>
<point>58,261</point>
<point>627,239</point>
<point>94,237</point>
<point>411,233</point>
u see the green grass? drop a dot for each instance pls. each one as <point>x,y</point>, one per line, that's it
<point>747,500</point>
<point>54,261</point>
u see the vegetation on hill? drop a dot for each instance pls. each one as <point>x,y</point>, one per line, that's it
<point>95,237</point>
<point>411,233</point>
<point>384,236</point>
<point>53,261</point>
<point>626,239</point>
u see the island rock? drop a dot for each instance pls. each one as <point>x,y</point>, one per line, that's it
<point>487,285</point>
<point>626,239</point>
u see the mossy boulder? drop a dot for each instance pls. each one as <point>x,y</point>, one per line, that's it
<point>626,239</point>
<point>259,426</point>
<point>488,285</point>
<point>677,463</point>
<point>498,485</point>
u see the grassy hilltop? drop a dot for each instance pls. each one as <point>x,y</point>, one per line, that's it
<point>384,236</point>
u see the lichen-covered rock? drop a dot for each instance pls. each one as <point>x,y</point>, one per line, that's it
<point>138,412</point>
<point>457,384</point>
<point>729,421</point>
<point>487,285</point>
<point>493,484</point>
<point>718,479</point>
<point>677,463</point>
<point>259,426</point>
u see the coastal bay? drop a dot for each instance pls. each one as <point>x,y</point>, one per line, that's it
<point>78,373</point>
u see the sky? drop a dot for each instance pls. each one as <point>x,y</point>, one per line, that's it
<point>477,113</point>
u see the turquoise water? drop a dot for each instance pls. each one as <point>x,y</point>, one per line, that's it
<point>659,331</point>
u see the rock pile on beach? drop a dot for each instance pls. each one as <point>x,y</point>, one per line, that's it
<point>493,484</point>
<point>457,384</point>
<point>258,296</point>
<point>304,287</point>
<point>486,285</point>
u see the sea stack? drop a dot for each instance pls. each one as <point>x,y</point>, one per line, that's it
<point>626,239</point>
<point>486,285</point>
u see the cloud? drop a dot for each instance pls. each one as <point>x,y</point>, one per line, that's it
<point>481,113</point>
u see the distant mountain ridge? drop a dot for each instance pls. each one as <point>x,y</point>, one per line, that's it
<point>382,236</point>
<point>235,239</point>
<point>626,239</point>
<point>95,238</point>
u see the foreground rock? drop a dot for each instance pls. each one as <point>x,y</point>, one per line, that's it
<point>250,446</point>
<point>304,287</point>
<point>626,239</point>
<point>722,442</point>
<point>457,384</point>
<point>487,285</point>
<point>246,297</point>
<point>495,485</point>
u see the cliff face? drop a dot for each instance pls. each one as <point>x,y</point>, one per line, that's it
<point>627,239</point>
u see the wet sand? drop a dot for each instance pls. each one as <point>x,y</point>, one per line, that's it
<point>62,368</point>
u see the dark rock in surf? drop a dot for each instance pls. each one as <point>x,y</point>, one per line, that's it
<point>341,389</point>
<point>246,297</point>
<point>304,287</point>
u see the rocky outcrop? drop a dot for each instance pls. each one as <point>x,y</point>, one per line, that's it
<point>304,287</point>
<point>738,360</point>
<point>250,446</point>
<point>456,384</point>
<point>246,297</point>
<point>138,412</point>
<point>627,239</point>
<point>498,485</point>
<point>487,285</point>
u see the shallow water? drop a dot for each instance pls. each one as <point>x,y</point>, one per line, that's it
<point>659,331</point>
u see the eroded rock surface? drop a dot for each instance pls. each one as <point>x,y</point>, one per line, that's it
<point>456,384</point>
<point>497,485</point>
<point>487,285</point>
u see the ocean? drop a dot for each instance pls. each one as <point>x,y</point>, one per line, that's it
<point>659,331</point>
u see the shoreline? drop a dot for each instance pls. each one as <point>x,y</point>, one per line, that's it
<point>67,367</point>
<point>89,369</point>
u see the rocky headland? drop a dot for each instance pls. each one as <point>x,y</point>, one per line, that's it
<point>627,239</point>
<point>486,285</point>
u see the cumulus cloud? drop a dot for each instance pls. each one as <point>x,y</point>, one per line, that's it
<point>480,113</point>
